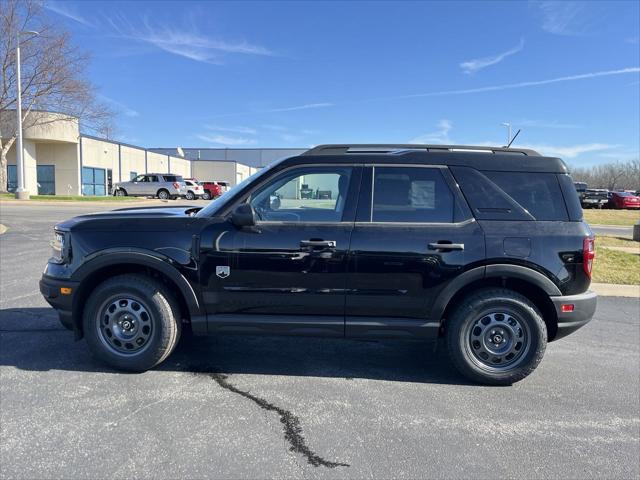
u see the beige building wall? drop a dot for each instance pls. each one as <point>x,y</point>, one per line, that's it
<point>132,160</point>
<point>157,163</point>
<point>64,156</point>
<point>180,166</point>
<point>101,154</point>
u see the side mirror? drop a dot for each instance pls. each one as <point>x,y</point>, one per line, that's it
<point>274,202</point>
<point>244,216</point>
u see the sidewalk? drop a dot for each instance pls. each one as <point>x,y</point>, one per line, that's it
<point>614,290</point>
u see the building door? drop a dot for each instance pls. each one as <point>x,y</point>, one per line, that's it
<point>12,178</point>
<point>46,178</point>
<point>110,181</point>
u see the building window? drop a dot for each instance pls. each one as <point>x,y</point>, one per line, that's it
<point>12,178</point>
<point>132,175</point>
<point>46,178</point>
<point>93,181</point>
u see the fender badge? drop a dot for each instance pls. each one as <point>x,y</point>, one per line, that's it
<point>223,271</point>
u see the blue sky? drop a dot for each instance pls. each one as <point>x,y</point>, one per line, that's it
<point>296,74</point>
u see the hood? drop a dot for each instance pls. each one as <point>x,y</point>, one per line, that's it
<point>134,213</point>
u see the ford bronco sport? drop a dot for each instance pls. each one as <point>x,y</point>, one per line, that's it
<point>485,247</point>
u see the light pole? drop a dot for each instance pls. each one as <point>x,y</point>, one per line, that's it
<point>21,193</point>
<point>508,125</point>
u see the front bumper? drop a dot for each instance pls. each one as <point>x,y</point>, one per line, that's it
<point>51,291</point>
<point>584,306</point>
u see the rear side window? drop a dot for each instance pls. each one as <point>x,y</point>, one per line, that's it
<point>412,195</point>
<point>172,178</point>
<point>538,193</point>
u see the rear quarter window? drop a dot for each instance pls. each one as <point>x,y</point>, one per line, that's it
<point>538,193</point>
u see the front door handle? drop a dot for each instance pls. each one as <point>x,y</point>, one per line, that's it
<point>446,246</point>
<point>318,244</point>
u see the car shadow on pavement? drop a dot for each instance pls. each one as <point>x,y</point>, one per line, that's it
<point>33,339</point>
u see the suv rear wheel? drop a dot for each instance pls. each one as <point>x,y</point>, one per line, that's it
<point>496,336</point>
<point>189,195</point>
<point>163,194</point>
<point>131,322</point>
<point>206,195</point>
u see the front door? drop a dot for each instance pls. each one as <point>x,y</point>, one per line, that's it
<point>288,273</point>
<point>413,234</point>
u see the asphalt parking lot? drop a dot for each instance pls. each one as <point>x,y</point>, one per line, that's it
<point>263,407</point>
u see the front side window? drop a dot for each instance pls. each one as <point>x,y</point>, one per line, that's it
<point>411,195</point>
<point>309,194</point>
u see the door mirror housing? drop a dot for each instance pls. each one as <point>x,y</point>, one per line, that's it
<point>244,215</point>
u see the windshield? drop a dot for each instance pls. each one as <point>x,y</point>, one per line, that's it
<point>215,205</point>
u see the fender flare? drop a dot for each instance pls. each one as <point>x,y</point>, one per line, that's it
<point>491,271</point>
<point>143,258</point>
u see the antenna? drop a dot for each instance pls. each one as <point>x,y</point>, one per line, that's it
<point>514,137</point>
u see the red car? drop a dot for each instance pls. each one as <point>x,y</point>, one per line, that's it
<point>619,200</point>
<point>213,189</point>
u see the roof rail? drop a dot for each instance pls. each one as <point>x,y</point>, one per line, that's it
<point>343,149</point>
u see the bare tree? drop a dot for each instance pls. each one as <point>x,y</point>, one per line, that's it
<point>53,77</point>
<point>610,175</point>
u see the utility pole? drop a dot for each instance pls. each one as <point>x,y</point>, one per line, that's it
<point>508,125</point>
<point>21,192</point>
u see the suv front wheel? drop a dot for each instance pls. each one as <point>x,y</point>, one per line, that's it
<point>131,322</point>
<point>496,336</point>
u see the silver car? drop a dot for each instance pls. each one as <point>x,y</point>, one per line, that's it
<point>161,185</point>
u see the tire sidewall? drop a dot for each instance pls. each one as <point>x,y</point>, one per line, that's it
<point>525,314</point>
<point>206,196</point>
<point>161,314</point>
<point>163,194</point>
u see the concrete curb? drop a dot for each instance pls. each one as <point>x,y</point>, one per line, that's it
<point>616,290</point>
<point>3,229</point>
<point>621,227</point>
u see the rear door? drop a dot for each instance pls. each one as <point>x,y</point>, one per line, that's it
<point>414,233</point>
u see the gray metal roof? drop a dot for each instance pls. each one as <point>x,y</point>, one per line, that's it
<point>254,157</point>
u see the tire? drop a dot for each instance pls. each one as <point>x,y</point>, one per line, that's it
<point>120,192</point>
<point>153,327</point>
<point>492,322</point>
<point>206,195</point>
<point>190,195</point>
<point>163,194</point>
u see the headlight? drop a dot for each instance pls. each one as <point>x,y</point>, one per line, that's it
<point>59,247</point>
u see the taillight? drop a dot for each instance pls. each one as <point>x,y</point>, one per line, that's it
<point>588,255</point>
<point>176,185</point>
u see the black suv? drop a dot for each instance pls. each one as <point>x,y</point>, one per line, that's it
<point>483,246</point>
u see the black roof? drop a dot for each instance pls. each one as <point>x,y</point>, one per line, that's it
<point>481,157</point>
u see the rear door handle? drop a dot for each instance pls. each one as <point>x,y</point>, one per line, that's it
<point>318,244</point>
<point>446,246</point>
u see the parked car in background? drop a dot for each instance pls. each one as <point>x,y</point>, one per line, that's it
<point>194,189</point>
<point>581,188</point>
<point>162,185</point>
<point>214,188</point>
<point>620,200</point>
<point>594,198</point>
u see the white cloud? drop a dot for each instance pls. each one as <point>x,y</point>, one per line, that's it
<point>244,130</point>
<point>65,10</point>
<point>571,151</point>
<point>299,107</point>
<point>472,66</point>
<point>439,136</point>
<point>508,86</point>
<point>562,18</point>
<point>226,140</point>
<point>542,124</point>
<point>184,40</point>
<point>120,107</point>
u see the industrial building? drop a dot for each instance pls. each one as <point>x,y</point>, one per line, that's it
<point>59,160</point>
